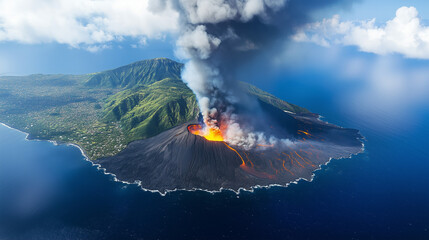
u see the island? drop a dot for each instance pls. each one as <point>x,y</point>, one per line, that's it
<point>133,122</point>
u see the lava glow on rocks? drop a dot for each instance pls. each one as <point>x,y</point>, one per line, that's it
<point>211,134</point>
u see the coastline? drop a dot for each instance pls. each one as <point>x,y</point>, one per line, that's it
<point>237,192</point>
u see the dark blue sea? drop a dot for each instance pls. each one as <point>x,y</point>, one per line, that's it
<point>51,192</point>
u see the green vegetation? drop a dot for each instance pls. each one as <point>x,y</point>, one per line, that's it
<point>147,111</point>
<point>137,74</point>
<point>60,108</point>
<point>103,112</point>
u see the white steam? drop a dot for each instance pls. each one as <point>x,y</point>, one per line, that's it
<point>217,11</point>
<point>197,44</point>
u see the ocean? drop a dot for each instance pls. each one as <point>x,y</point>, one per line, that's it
<point>52,192</point>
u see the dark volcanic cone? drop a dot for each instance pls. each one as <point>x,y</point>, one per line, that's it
<point>177,159</point>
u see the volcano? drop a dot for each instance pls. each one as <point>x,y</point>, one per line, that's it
<point>211,134</point>
<point>142,123</point>
<point>185,157</point>
<point>169,146</point>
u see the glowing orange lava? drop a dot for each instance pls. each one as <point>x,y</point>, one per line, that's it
<point>211,134</point>
<point>243,163</point>
<point>265,145</point>
<point>304,132</point>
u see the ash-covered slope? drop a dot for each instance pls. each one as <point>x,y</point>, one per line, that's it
<point>177,159</point>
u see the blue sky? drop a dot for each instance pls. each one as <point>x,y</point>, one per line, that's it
<point>25,58</point>
<point>383,10</point>
<point>346,57</point>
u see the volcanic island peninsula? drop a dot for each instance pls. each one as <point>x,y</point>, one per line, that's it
<point>143,124</point>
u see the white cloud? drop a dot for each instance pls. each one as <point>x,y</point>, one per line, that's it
<point>216,11</point>
<point>90,24</point>
<point>404,34</point>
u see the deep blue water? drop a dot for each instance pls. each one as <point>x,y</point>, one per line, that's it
<point>51,192</point>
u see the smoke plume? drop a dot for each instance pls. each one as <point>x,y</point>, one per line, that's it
<point>218,36</point>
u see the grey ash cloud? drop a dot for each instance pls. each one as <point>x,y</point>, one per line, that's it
<point>216,37</point>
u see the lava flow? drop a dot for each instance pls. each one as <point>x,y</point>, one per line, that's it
<point>211,134</point>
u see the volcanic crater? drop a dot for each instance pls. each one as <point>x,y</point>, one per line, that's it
<point>180,158</point>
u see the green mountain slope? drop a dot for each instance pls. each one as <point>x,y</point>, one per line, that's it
<point>149,110</point>
<point>138,73</point>
<point>103,112</point>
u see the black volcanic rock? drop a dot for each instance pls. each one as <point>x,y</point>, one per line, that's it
<point>177,159</point>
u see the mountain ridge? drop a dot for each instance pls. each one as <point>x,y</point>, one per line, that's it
<point>137,74</point>
<point>103,112</point>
